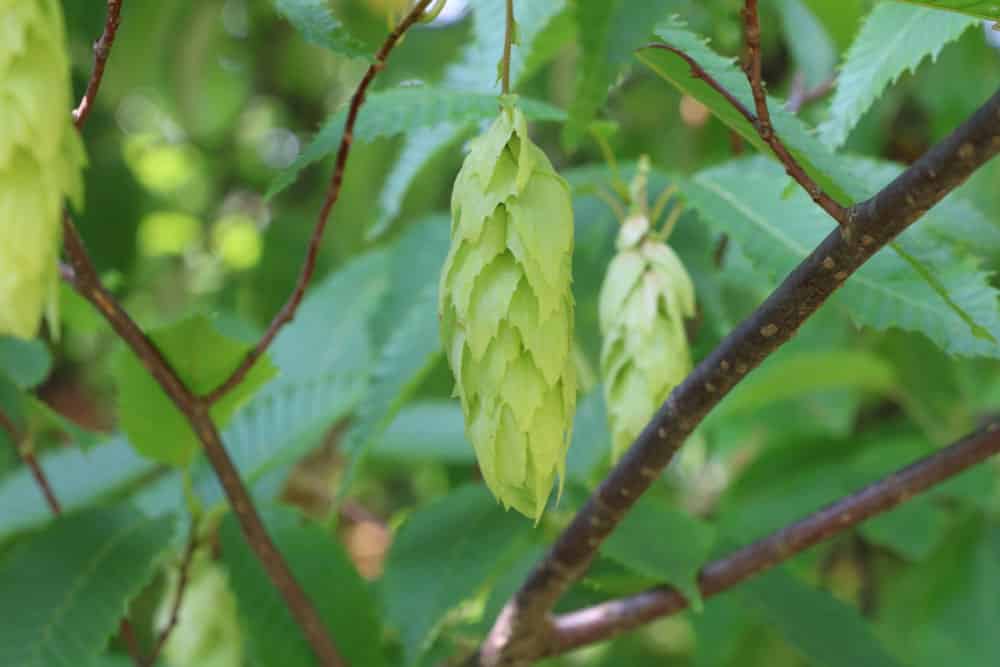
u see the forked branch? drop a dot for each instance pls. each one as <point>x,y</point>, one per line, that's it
<point>287,312</point>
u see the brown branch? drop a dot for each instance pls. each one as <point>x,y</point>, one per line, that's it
<point>102,51</point>
<point>82,275</point>
<point>761,120</point>
<point>196,411</point>
<point>752,68</point>
<point>29,459</point>
<point>521,632</point>
<point>287,312</point>
<point>609,619</point>
<point>175,609</point>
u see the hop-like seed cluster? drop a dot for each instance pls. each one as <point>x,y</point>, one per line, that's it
<point>645,298</point>
<point>207,633</point>
<point>507,312</point>
<point>40,159</point>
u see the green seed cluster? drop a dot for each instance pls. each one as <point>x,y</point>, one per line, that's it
<point>645,298</point>
<point>507,312</point>
<point>40,159</point>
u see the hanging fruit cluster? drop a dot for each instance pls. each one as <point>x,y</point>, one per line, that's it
<point>40,160</point>
<point>507,312</point>
<point>646,296</point>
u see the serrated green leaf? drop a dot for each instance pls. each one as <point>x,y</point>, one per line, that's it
<point>664,544</point>
<point>894,39</point>
<point>320,565</point>
<point>441,557</point>
<point>806,372</point>
<point>430,430</point>
<point>317,24</point>
<point>825,630</point>
<point>26,363</point>
<point>946,610</point>
<point>65,590</point>
<point>743,199</point>
<point>155,426</point>
<point>984,9</point>
<point>401,110</point>
<point>78,479</point>
<point>608,31</point>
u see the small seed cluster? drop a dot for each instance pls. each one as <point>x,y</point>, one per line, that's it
<point>646,296</point>
<point>40,160</point>
<point>507,312</point>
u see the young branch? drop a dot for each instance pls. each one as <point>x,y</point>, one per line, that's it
<point>753,68</point>
<point>287,312</point>
<point>29,459</point>
<point>175,609</point>
<point>82,275</point>
<point>102,51</point>
<point>86,282</point>
<point>609,619</point>
<point>523,628</point>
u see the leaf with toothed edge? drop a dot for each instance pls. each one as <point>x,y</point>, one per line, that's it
<point>393,112</point>
<point>830,171</point>
<point>894,40</point>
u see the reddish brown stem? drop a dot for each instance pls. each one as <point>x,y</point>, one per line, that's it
<point>287,312</point>
<point>102,51</point>
<point>38,473</point>
<point>196,411</point>
<point>175,609</point>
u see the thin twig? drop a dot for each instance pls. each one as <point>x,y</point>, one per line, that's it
<point>82,275</point>
<point>38,473</point>
<point>524,628</point>
<point>608,619</point>
<point>761,120</point>
<point>102,51</point>
<point>29,459</point>
<point>800,96</point>
<point>508,44</point>
<point>175,609</point>
<point>87,283</point>
<point>287,312</point>
<point>753,68</point>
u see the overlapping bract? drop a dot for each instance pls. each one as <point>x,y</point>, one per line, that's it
<point>40,159</point>
<point>507,312</point>
<point>646,296</point>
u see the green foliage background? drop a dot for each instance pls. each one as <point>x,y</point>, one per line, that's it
<point>210,149</point>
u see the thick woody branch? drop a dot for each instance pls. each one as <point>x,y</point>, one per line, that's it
<point>102,51</point>
<point>521,632</point>
<point>287,312</point>
<point>609,619</point>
